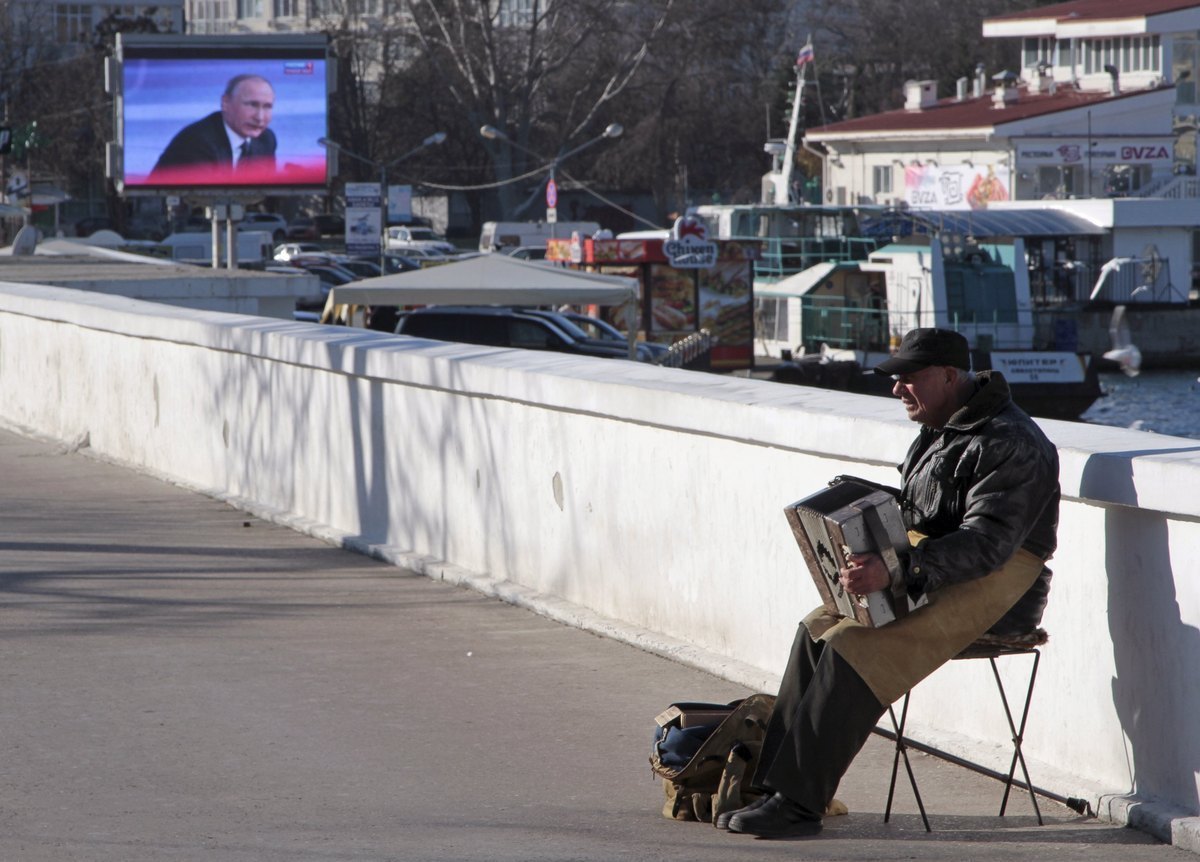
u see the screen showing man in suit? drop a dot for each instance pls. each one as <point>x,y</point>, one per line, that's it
<point>206,116</point>
<point>236,137</point>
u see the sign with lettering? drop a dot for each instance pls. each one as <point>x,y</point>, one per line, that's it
<point>955,187</point>
<point>689,246</point>
<point>364,218</point>
<point>1155,151</point>
<point>1039,366</point>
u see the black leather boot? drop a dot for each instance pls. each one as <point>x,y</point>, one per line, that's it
<point>778,817</point>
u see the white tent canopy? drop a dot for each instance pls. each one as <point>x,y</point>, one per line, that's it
<point>490,279</point>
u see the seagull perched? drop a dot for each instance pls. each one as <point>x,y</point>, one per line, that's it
<point>1124,352</point>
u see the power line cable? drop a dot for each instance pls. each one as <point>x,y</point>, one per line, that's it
<point>612,204</point>
<point>536,172</point>
<point>509,181</point>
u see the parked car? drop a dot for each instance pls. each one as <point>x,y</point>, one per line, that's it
<point>411,239</point>
<point>594,327</point>
<point>359,266</point>
<point>501,326</point>
<point>303,227</point>
<point>330,225</point>
<point>289,250</point>
<point>276,225</point>
<point>325,269</point>
<point>400,263</point>
<point>330,275</point>
<point>423,255</point>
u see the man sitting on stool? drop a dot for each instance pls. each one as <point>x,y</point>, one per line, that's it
<point>980,500</point>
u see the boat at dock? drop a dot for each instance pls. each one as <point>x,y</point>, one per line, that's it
<point>1032,284</point>
<point>960,271</point>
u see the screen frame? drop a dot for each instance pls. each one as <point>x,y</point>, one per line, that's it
<point>229,48</point>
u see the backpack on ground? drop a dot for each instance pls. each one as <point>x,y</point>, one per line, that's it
<point>706,754</point>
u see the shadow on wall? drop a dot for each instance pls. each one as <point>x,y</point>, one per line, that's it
<point>1156,691</point>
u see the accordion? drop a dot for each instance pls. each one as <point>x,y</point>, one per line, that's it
<point>852,518</point>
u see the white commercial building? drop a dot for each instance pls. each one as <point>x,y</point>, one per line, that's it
<point>1104,105</point>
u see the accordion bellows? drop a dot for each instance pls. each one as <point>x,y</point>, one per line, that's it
<point>849,518</point>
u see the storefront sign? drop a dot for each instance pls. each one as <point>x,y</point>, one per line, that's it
<point>955,187</point>
<point>689,247</point>
<point>1057,152</point>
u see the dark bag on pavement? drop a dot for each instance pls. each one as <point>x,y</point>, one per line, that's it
<point>706,754</point>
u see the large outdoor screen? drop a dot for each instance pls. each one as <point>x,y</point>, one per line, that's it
<point>206,113</point>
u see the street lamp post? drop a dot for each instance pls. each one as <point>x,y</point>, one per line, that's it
<point>433,140</point>
<point>612,130</point>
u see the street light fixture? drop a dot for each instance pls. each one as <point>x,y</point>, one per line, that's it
<point>491,133</point>
<point>433,140</point>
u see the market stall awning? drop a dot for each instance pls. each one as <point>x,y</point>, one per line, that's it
<point>490,279</point>
<point>1014,222</point>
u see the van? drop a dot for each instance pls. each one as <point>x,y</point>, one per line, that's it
<point>500,235</point>
<point>253,246</point>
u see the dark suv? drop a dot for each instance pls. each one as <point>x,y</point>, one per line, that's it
<point>511,327</point>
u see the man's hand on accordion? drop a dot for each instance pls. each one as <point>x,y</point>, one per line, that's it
<point>864,573</point>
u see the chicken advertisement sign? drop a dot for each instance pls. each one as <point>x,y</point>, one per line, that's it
<point>689,246</point>
<point>955,187</point>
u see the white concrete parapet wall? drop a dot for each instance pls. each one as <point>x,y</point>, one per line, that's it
<point>643,502</point>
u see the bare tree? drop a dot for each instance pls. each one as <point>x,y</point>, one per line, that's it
<point>545,75</point>
<point>862,71</point>
<point>369,49</point>
<point>702,108</point>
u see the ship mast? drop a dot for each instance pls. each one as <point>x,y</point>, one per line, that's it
<point>783,189</point>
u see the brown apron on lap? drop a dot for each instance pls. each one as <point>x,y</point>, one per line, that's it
<point>895,657</point>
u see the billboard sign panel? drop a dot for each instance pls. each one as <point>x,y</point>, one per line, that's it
<point>399,204</point>
<point>221,113</point>
<point>955,187</point>
<point>364,228</point>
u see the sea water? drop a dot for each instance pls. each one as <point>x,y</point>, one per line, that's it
<point>1164,401</point>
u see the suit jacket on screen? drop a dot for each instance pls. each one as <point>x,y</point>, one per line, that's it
<point>205,142</point>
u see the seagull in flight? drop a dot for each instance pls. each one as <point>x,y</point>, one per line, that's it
<point>1124,352</point>
<point>1113,265</point>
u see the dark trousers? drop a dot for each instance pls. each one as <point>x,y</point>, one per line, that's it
<point>822,718</point>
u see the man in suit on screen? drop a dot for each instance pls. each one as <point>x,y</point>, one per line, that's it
<point>235,138</point>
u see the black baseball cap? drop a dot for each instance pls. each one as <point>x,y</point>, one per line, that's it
<point>922,348</point>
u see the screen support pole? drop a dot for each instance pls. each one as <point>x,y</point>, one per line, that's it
<point>215,224</point>
<point>231,249</point>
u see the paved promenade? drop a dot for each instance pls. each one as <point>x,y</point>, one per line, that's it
<point>182,681</point>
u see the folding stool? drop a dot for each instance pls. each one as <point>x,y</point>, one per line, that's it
<point>991,648</point>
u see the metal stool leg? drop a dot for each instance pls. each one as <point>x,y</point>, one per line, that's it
<point>902,751</point>
<point>1018,734</point>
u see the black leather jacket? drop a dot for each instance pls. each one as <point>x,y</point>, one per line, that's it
<point>981,488</point>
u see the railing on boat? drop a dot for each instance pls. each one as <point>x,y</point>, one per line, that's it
<point>853,327</point>
<point>784,256</point>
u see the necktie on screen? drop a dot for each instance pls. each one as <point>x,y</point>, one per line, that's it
<point>243,151</point>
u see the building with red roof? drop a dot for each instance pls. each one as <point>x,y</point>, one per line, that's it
<point>1104,105</point>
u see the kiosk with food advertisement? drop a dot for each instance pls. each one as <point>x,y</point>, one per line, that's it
<point>687,284</point>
